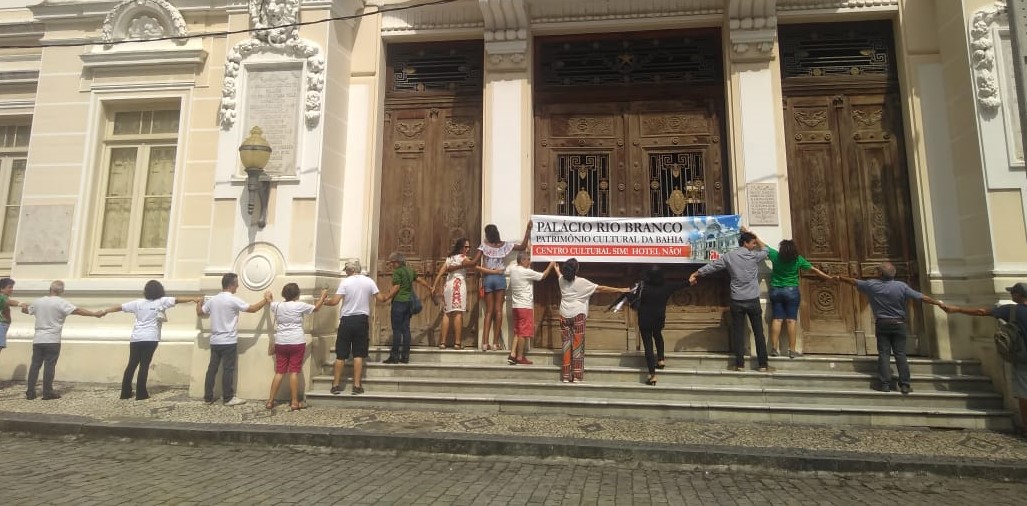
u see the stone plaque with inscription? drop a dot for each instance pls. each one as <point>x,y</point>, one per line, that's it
<point>45,234</point>
<point>762,203</point>
<point>273,102</point>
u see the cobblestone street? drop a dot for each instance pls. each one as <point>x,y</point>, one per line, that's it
<point>70,471</point>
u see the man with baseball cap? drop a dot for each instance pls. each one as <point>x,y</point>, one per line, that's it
<point>355,292</point>
<point>1005,312</point>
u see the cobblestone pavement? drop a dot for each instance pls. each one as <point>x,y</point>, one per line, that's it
<point>81,472</point>
<point>101,403</point>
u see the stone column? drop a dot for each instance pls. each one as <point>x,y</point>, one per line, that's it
<point>507,134</point>
<point>757,129</point>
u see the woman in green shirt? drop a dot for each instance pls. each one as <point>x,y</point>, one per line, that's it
<point>784,291</point>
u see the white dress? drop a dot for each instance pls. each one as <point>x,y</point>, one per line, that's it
<point>455,292</point>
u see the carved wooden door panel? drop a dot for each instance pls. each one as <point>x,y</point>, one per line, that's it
<point>850,210</point>
<point>431,180</point>
<point>632,159</point>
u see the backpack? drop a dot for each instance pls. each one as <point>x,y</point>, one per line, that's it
<point>1009,339</point>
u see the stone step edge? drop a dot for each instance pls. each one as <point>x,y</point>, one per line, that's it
<point>680,371</point>
<point>699,388</point>
<point>683,355</point>
<point>617,403</point>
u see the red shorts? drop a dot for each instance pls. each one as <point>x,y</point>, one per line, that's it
<point>524,322</point>
<point>289,357</point>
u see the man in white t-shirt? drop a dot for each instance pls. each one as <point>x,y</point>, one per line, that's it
<point>355,292</point>
<point>522,295</point>
<point>224,309</point>
<point>50,312</point>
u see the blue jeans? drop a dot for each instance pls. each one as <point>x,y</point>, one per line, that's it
<point>784,302</point>
<point>891,339</point>
<point>400,330</point>
<point>740,309</point>
<point>227,354</point>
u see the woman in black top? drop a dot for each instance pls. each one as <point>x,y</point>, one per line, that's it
<point>652,313</point>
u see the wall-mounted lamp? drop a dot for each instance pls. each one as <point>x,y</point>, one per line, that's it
<point>255,153</point>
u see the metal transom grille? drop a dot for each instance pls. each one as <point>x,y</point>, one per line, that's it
<point>677,184</point>
<point>834,49</point>
<point>584,184</point>
<point>635,60</point>
<point>453,67</point>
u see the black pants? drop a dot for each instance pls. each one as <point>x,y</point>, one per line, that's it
<point>43,355</point>
<point>227,354</point>
<point>651,331</point>
<point>740,309</point>
<point>140,353</point>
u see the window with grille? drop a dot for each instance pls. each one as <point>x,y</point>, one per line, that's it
<point>140,153</point>
<point>14,144</point>
<point>677,184</point>
<point>584,184</point>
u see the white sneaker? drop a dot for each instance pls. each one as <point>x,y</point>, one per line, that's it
<point>235,401</point>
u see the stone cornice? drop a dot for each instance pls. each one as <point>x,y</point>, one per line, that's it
<point>47,11</point>
<point>752,28</point>
<point>810,5</point>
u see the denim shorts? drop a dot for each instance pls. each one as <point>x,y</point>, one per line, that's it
<point>784,302</point>
<point>494,282</point>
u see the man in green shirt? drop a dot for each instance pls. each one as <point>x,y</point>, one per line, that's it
<point>401,295</point>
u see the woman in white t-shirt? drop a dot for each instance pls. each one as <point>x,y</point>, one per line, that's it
<point>290,341</point>
<point>575,292</point>
<point>149,313</point>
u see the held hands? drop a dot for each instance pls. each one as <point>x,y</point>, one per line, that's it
<point>268,296</point>
<point>693,279</point>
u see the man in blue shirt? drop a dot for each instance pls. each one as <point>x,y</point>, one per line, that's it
<point>1019,294</point>
<point>888,302</point>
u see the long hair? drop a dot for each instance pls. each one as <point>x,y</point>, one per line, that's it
<point>653,276</point>
<point>492,234</point>
<point>153,290</point>
<point>570,269</point>
<point>787,252</point>
<point>458,246</point>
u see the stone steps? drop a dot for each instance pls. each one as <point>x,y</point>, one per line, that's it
<point>673,376</point>
<point>694,386</point>
<point>690,394</point>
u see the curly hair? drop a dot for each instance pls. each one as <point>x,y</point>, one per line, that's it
<point>787,252</point>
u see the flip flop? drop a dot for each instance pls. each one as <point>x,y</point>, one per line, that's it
<point>269,405</point>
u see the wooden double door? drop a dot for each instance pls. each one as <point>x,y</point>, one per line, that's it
<point>430,196</point>
<point>851,209</point>
<point>637,158</point>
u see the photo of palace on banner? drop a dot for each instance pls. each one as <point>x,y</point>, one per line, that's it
<point>696,239</point>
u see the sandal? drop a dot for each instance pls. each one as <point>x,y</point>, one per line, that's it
<point>442,346</point>
<point>485,347</point>
<point>269,405</point>
<point>297,407</point>
<point>651,381</point>
<point>661,364</point>
<point>457,347</point>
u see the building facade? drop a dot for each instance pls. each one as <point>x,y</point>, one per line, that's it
<point>867,130</point>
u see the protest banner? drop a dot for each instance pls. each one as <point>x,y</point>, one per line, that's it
<point>688,239</point>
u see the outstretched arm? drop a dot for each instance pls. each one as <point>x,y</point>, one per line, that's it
<point>549,268</point>
<point>847,280</point>
<point>182,300</point>
<point>321,299</point>
<point>260,305</point>
<point>932,301</point>
<point>821,274</point>
<point>972,311</point>
<point>85,312</point>
<point>611,289</point>
<point>527,237</point>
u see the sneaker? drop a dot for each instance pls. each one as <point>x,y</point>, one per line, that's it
<point>209,402</point>
<point>235,401</point>
<point>564,380</point>
<point>882,387</point>
<point>336,390</point>
<point>524,361</point>
<point>773,352</point>
<point>31,396</point>
<point>357,390</point>
<point>794,354</point>
<point>905,389</point>
<point>404,360</point>
<point>390,360</point>
<point>733,367</point>
<point>766,369</point>
<point>51,396</point>
<point>512,360</point>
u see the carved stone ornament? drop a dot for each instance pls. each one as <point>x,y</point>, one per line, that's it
<point>143,20</point>
<point>753,28</point>
<point>283,41</point>
<point>982,53</point>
